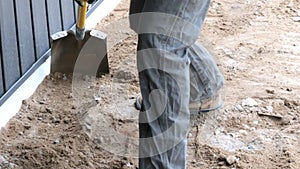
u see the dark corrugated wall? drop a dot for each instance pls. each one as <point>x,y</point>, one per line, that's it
<point>25,29</point>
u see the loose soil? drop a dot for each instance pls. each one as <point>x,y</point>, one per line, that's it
<point>84,122</point>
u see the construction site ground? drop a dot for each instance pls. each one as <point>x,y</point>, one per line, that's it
<point>81,122</point>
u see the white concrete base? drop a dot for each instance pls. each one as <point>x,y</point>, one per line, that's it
<point>14,103</point>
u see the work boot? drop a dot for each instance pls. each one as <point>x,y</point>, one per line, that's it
<point>213,103</point>
<point>207,105</point>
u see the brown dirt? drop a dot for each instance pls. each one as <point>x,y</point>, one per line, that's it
<point>70,123</point>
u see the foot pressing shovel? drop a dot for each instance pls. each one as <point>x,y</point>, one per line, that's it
<point>83,51</point>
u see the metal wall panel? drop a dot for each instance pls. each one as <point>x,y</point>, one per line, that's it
<point>25,35</point>
<point>1,76</point>
<point>40,27</point>
<point>10,59</point>
<point>67,10</point>
<point>54,16</point>
<point>75,5</point>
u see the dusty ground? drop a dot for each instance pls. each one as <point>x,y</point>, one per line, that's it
<point>77,124</point>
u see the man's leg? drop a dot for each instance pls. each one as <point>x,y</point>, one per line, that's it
<point>160,128</point>
<point>164,119</point>
<point>206,79</point>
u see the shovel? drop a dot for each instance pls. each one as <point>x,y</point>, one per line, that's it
<point>81,52</point>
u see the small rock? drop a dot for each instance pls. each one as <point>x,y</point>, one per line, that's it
<point>97,99</point>
<point>269,124</point>
<point>3,160</point>
<point>239,108</point>
<point>243,132</point>
<point>55,120</point>
<point>48,77</point>
<point>217,131</point>
<point>231,63</point>
<point>249,102</point>
<point>200,164</point>
<point>270,91</point>
<point>291,103</point>
<point>56,141</point>
<point>246,126</point>
<point>90,164</point>
<point>287,119</point>
<point>65,78</point>
<point>260,50</point>
<point>296,19</point>
<point>41,102</point>
<point>27,127</point>
<point>221,163</point>
<point>70,96</point>
<point>256,13</point>
<point>43,109</point>
<point>57,75</point>
<point>190,135</point>
<point>228,52</point>
<point>87,128</point>
<point>81,154</point>
<point>129,164</point>
<point>12,165</point>
<point>232,135</point>
<point>24,102</point>
<point>222,157</point>
<point>289,89</point>
<point>67,120</point>
<point>231,159</point>
<point>251,147</point>
<point>255,122</point>
<point>124,75</point>
<point>29,118</point>
<point>49,110</point>
<point>269,109</point>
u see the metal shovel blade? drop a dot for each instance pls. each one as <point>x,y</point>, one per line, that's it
<point>87,56</point>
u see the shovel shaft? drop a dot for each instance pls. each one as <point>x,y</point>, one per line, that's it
<point>82,14</point>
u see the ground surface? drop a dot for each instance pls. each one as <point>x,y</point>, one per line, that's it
<point>77,124</point>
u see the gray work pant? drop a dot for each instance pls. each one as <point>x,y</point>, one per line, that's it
<point>174,70</point>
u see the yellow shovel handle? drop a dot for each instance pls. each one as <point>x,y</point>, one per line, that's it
<point>82,14</point>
